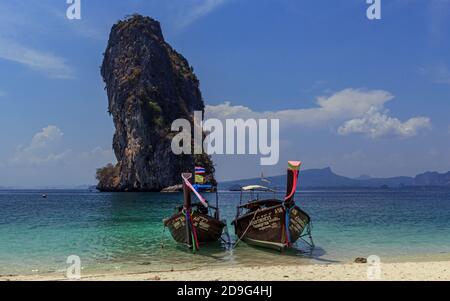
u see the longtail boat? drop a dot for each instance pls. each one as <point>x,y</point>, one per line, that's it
<point>273,223</point>
<point>195,224</point>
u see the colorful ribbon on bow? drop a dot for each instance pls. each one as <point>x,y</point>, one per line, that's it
<point>190,222</point>
<point>188,184</point>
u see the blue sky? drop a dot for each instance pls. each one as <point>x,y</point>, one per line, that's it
<point>364,97</point>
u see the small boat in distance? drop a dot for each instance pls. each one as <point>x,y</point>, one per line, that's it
<point>195,224</point>
<point>273,223</point>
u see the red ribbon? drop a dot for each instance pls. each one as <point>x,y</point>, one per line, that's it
<point>294,185</point>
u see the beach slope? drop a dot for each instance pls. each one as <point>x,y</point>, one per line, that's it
<point>405,271</point>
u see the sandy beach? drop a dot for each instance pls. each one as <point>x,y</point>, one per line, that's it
<point>405,271</point>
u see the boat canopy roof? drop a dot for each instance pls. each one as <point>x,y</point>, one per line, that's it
<point>256,188</point>
<point>261,203</point>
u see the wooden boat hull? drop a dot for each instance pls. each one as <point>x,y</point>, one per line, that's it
<point>208,228</point>
<point>267,228</point>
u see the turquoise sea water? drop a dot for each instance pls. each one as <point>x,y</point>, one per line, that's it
<point>123,232</point>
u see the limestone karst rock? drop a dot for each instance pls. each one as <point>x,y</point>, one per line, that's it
<point>149,85</point>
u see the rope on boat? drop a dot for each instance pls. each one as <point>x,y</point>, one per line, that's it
<point>226,232</point>
<point>308,233</point>
<point>163,236</point>
<point>246,230</point>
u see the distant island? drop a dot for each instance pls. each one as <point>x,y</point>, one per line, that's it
<point>51,187</point>
<point>326,178</point>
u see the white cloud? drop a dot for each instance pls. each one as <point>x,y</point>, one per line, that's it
<point>48,63</point>
<point>41,149</point>
<point>98,154</point>
<point>46,149</point>
<point>47,160</point>
<point>13,19</point>
<point>439,73</point>
<point>48,135</point>
<point>19,19</point>
<point>438,19</point>
<point>358,107</point>
<point>2,93</point>
<point>197,9</point>
<point>348,103</point>
<point>376,125</point>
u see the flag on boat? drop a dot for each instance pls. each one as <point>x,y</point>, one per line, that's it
<point>199,170</point>
<point>199,179</point>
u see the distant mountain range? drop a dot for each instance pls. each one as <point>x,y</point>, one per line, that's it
<point>312,178</point>
<point>326,178</point>
<point>51,187</point>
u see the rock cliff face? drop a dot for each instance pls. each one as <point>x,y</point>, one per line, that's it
<point>149,85</point>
